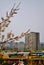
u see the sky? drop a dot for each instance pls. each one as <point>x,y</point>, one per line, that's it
<point>30,16</point>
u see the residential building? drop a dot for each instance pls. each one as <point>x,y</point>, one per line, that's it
<point>19,45</point>
<point>32,41</point>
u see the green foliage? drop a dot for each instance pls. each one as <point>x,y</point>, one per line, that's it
<point>1,60</point>
<point>42,48</point>
<point>26,50</point>
<point>15,49</point>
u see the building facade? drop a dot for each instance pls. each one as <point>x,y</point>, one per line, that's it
<point>19,45</point>
<point>32,41</point>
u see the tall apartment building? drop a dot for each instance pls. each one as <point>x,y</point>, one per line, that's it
<point>32,41</point>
